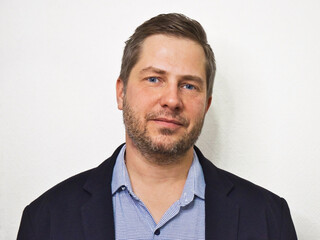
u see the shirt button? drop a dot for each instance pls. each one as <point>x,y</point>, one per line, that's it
<point>157,232</point>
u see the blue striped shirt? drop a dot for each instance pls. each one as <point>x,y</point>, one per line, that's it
<point>185,219</point>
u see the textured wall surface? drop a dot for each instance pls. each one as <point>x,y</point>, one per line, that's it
<point>59,61</point>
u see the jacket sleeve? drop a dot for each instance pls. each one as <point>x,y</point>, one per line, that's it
<point>26,231</point>
<point>287,228</point>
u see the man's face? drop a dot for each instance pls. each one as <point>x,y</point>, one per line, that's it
<point>165,100</point>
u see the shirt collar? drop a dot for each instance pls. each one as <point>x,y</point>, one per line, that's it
<point>195,184</point>
<point>120,176</point>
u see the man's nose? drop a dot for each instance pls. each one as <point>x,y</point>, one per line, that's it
<point>171,97</point>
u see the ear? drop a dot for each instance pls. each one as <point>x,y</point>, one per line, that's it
<point>208,103</point>
<point>120,93</point>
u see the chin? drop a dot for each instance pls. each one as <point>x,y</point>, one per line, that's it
<point>165,145</point>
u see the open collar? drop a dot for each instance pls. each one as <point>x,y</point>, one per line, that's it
<point>221,212</point>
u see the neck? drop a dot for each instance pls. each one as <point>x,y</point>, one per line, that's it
<point>157,185</point>
<point>149,167</point>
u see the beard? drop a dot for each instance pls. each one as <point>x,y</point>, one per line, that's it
<point>161,148</point>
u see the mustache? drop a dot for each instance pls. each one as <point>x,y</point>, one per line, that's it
<point>165,114</point>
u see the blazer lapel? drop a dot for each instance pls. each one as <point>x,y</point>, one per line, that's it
<point>222,214</point>
<point>97,212</point>
<point>221,217</point>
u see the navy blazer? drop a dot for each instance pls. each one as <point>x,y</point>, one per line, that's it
<point>80,208</point>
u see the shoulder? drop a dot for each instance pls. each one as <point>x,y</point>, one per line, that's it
<point>242,191</point>
<point>64,191</point>
<point>249,193</point>
<point>54,209</point>
<point>59,210</point>
<point>76,190</point>
<point>259,211</point>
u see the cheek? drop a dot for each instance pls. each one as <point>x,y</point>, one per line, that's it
<point>140,104</point>
<point>197,109</point>
<point>142,98</point>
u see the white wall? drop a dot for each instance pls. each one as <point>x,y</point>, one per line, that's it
<point>59,61</point>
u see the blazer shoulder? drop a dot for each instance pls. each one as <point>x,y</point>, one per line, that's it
<point>64,191</point>
<point>75,188</point>
<point>59,209</point>
<point>261,207</point>
<point>247,190</point>
<point>261,212</point>
<point>233,186</point>
<point>59,202</point>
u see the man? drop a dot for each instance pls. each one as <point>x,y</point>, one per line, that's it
<point>158,185</point>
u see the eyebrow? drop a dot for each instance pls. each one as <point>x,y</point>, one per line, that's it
<point>163,72</point>
<point>153,69</point>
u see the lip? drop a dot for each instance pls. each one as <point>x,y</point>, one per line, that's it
<point>166,122</point>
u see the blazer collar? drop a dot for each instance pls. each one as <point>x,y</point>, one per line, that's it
<point>97,212</point>
<point>221,213</point>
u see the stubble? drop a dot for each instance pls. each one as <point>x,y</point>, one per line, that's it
<point>159,148</point>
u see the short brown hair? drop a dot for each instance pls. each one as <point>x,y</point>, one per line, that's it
<point>172,24</point>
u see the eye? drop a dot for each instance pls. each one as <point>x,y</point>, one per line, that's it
<point>189,86</point>
<point>153,79</point>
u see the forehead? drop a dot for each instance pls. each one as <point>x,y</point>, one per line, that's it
<point>173,54</point>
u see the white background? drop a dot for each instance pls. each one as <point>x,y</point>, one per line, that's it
<point>59,61</point>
